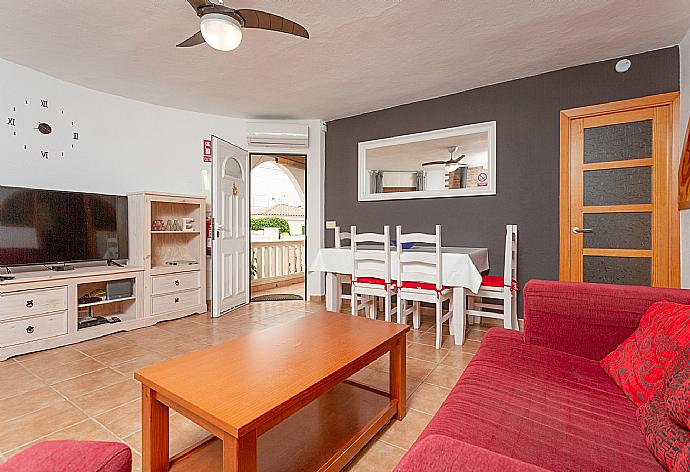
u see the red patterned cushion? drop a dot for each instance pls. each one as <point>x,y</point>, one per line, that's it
<point>677,395</point>
<point>639,363</point>
<point>669,443</point>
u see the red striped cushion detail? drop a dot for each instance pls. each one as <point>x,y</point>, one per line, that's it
<point>370,280</point>
<point>421,285</point>
<point>496,281</point>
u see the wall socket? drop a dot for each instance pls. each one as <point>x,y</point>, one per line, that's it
<point>330,224</point>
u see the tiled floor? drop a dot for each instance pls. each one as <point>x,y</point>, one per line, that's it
<point>86,391</point>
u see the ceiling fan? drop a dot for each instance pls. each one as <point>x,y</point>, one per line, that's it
<point>451,165</point>
<point>221,26</point>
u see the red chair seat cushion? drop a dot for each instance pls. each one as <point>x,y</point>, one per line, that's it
<point>639,364</point>
<point>71,456</point>
<point>496,281</point>
<point>370,280</point>
<point>420,285</point>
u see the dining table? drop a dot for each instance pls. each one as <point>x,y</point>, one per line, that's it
<point>461,270</point>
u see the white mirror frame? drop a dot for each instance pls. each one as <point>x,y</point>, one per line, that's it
<point>364,146</point>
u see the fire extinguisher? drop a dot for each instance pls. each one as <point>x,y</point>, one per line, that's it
<point>209,235</point>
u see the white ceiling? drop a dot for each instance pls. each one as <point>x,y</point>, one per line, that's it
<point>363,55</point>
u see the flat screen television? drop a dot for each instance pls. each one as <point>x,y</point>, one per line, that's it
<point>51,227</point>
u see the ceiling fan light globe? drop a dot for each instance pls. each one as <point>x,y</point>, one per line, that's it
<point>221,32</point>
<point>452,167</point>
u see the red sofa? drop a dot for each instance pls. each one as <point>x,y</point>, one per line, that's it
<point>539,400</point>
<point>71,456</point>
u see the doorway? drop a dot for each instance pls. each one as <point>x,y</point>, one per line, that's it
<point>619,209</point>
<point>277,260</point>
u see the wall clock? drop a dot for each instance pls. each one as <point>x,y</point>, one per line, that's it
<point>42,128</point>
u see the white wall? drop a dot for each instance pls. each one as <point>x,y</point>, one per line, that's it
<point>684,116</point>
<point>124,145</point>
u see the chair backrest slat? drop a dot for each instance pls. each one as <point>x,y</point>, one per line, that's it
<point>510,259</point>
<point>371,262</point>
<point>409,261</point>
<point>341,237</point>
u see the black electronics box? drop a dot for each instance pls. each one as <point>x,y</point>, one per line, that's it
<point>116,289</point>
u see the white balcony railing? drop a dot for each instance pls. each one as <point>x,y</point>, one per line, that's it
<point>277,261</point>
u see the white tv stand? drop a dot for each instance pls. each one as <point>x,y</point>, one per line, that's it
<point>40,310</point>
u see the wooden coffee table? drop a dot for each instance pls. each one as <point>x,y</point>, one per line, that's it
<point>277,399</point>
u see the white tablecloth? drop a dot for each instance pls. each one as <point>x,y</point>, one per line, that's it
<point>462,266</point>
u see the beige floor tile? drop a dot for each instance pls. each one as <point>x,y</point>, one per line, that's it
<point>27,402</point>
<point>128,368</point>
<point>458,358</point>
<point>426,352</point>
<point>87,430</point>
<point>444,376</point>
<point>56,357</point>
<point>419,369</point>
<point>428,398</point>
<point>124,354</point>
<point>474,334</point>
<point>377,457</point>
<point>98,346</point>
<point>87,383</point>
<point>52,374</point>
<point>27,428</point>
<point>429,338</point>
<point>123,420</point>
<point>403,433</point>
<point>470,347</point>
<point>107,398</point>
<point>15,379</point>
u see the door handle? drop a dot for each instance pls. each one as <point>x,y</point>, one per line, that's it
<point>582,230</point>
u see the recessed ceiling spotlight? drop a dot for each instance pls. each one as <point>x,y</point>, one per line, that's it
<point>623,65</point>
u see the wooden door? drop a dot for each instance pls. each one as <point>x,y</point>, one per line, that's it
<point>619,218</point>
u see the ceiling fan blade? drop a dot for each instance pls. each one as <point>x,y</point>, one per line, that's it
<point>195,40</point>
<point>458,159</point>
<point>196,4</point>
<point>435,163</point>
<point>268,21</point>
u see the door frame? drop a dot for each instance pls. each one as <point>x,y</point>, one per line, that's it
<point>306,189</point>
<point>670,179</point>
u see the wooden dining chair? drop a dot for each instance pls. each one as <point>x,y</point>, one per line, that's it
<point>371,271</point>
<point>420,279</point>
<point>498,287</point>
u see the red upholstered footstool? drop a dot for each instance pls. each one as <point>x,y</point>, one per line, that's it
<point>71,456</point>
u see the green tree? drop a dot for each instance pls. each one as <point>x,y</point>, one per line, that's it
<point>257,224</point>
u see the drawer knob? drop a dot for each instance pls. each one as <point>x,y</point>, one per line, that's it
<point>29,329</point>
<point>29,303</point>
<point>177,300</point>
<point>177,282</point>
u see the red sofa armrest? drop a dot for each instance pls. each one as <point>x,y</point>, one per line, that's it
<point>437,453</point>
<point>588,320</point>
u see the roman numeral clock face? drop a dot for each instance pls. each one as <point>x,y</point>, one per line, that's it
<point>41,129</point>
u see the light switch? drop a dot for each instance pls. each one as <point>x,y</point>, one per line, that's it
<point>330,224</point>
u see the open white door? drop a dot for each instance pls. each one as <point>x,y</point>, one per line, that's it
<point>230,206</point>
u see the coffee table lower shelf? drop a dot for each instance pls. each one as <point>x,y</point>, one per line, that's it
<point>323,436</point>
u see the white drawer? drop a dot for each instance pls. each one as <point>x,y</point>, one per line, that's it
<point>33,328</point>
<point>175,301</point>
<point>32,302</point>
<point>175,282</point>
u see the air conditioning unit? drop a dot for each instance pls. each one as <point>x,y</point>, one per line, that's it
<point>277,134</point>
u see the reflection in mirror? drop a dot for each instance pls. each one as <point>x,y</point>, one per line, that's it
<point>442,163</point>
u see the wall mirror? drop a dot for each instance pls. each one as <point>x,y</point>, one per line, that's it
<point>450,162</point>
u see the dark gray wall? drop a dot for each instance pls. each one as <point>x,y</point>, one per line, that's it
<point>527,156</point>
